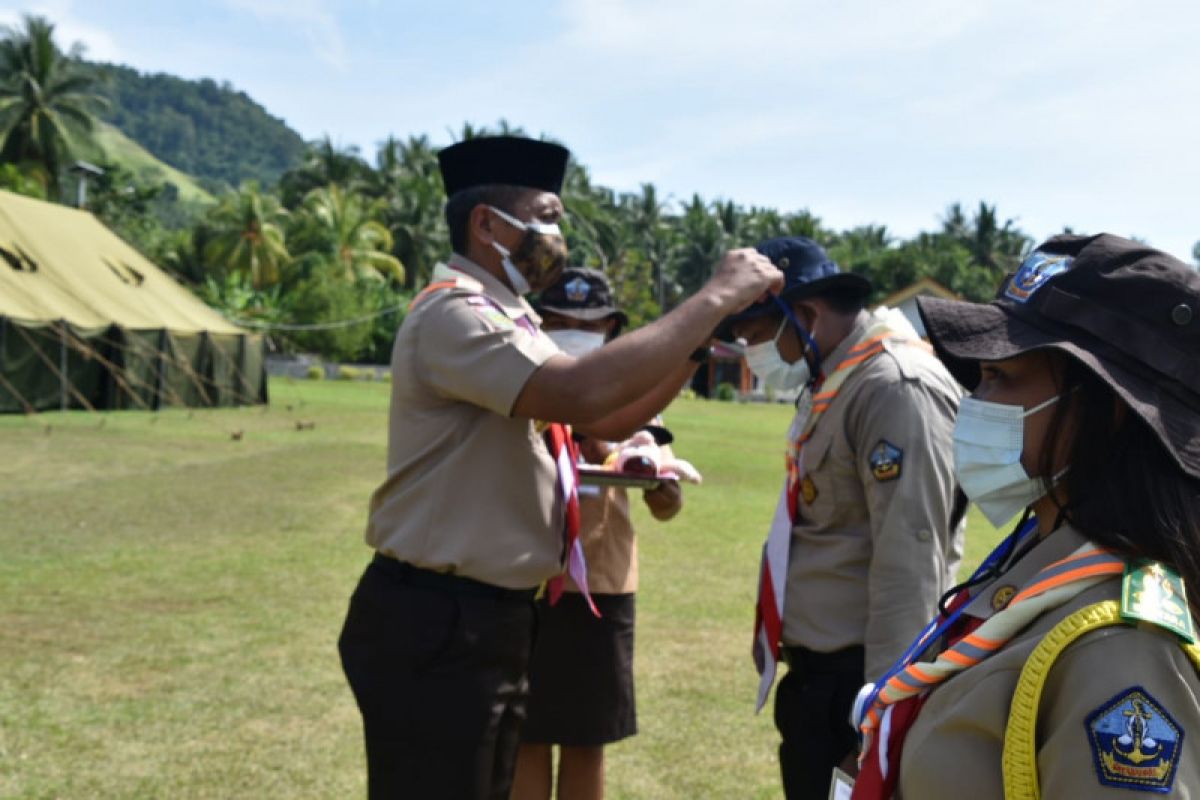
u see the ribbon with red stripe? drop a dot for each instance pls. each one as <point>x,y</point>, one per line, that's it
<point>566,458</point>
<point>772,576</point>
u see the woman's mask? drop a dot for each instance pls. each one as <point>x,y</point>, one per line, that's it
<point>988,441</point>
<point>538,260</point>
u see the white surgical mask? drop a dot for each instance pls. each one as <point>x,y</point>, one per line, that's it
<point>988,441</point>
<point>768,365</point>
<point>519,284</point>
<point>576,342</point>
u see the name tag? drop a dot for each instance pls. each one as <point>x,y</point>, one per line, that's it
<point>841,786</point>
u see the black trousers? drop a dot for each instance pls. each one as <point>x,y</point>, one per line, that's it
<point>812,713</point>
<point>438,667</point>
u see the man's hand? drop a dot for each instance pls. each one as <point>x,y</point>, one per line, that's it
<point>744,276</point>
<point>665,501</point>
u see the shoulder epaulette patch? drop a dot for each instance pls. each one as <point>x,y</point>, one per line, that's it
<point>886,460</point>
<point>1135,743</point>
<point>1153,592</point>
<point>490,312</point>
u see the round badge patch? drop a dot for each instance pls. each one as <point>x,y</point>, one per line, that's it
<point>1002,597</point>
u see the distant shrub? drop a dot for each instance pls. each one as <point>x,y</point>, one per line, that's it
<point>315,373</point>
<point>688,394</point>
<point>386,376</point>
<point>770,394</point>
<point>726,392</point>
<point>348,373</point>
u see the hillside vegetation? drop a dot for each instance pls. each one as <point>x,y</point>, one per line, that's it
<point>207,129</point>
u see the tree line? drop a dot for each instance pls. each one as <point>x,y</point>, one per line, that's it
<point>342,236</point>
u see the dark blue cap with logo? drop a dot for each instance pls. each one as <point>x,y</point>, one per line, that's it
<point>808,271</point>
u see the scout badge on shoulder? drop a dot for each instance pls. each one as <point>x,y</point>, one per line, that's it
<point>1153,592</point>
<point>885,461</point>
<point>1135,743</point>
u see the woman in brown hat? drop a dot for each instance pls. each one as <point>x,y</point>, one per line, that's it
<point>1066,666</point>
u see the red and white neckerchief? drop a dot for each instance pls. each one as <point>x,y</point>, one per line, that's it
<point>566,457</point>
<point>772,577</point>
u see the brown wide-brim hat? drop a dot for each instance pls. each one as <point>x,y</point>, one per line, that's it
<point>1129,313</point>
<point>581,293</point>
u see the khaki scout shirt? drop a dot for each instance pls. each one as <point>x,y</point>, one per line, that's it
<point>870,556</point>
<point>609,542</point>
<point>470,489</point>
<point>954,747</point>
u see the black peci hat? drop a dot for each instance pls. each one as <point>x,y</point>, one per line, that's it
<point>505,160</point>
<point>808,271</point>
<point>1129,313</point>
<point>581,293</point>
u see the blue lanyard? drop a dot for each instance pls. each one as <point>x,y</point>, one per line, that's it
<point>938,627</point>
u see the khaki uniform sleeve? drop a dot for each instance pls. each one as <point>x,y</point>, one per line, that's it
<point>469,350</point>
<point>1085,686</point>
<point>901,436</point>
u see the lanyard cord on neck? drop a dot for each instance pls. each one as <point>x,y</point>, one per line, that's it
<point>994,565</point>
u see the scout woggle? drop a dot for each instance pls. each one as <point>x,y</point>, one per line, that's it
<point>544,266</point>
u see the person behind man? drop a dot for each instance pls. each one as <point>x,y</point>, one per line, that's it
<point>575,649</point>
<point>867,535</point>
<point>479,505</point>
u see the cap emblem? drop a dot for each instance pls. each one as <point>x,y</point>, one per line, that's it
<point>577,290</point>
<point>1038,268</point>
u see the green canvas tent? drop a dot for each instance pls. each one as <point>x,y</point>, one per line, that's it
<point>86,321</point>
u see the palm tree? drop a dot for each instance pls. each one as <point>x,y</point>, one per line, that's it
<point>410,184</point>
<point>346,227</point>
<point>247,235</point>
<point>998,248</point>
<point>45,101</point>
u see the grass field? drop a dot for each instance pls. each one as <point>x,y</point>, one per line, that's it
<point>170,599</point>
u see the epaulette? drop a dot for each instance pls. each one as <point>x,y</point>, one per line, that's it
<point>446,278</point>
<point>1154,593</point>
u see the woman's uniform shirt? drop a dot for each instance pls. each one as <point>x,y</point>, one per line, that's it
<point>609,543</point>
<point>954,747</point>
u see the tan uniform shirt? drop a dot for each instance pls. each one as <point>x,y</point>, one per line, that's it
<point>954,747</point>
<point>470,489</point>
<point>872,552</point>
<point>609,542</point>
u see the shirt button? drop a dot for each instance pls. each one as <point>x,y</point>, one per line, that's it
<point>924,536</point>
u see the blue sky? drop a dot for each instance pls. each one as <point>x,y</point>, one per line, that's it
<point>1080,112</point>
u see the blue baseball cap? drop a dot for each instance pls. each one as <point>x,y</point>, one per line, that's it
<point>808,271</point>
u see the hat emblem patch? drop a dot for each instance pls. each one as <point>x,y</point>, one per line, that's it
<point>577,290</point>
<point>1038,268</point>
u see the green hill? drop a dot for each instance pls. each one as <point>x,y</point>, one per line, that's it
<point>110,145</point>
<point>210,131</point>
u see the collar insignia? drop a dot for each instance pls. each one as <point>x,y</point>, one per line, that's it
<point>1153,592</point>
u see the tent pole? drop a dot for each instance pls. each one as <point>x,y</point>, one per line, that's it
<point>62,362</point>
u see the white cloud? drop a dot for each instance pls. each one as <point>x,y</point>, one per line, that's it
<point>99,44</point>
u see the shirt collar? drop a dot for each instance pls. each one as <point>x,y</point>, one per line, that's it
<point>993,596</point>
<point>831,361</point>
<point>514,306</point>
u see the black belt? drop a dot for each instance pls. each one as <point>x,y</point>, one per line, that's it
<point>810,662</point>
<point>403,572</point>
